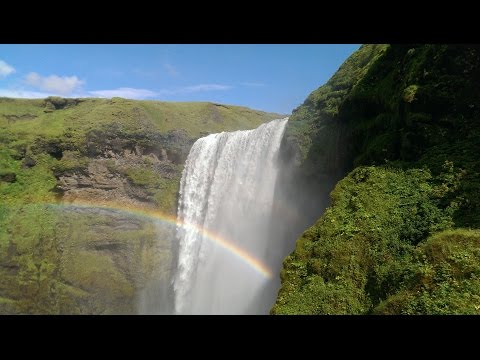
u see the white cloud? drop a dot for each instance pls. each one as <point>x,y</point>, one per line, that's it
<point>23,94</point>
<point>204,87</point>
<point>194,89</point>
<point>5,69</point>
<point>171,70</point>
<point>63,85</point>
<point>132,93</point>
<point>253,84</point>
<point>128,93</point>
<point>124,92</point>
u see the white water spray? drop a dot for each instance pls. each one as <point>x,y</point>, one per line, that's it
<point>227,188</point>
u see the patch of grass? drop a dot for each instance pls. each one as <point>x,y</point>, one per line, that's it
<point>445,277</point>
<point>164,191</point>
<point>197,117</point>
<point>71,161</point>
<point>359,252</point>
<point>409,93</point>
<point>32,185</point>
<point>166,195</point>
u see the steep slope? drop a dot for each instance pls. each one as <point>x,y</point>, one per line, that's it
<point>408,123</point>
<point>315,151</point>
<point>87,188</point>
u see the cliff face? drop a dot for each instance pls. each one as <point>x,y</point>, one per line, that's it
<point>314,153</point>
<point>315,137</point>
<point>406,120</point>
<point>87,186</point>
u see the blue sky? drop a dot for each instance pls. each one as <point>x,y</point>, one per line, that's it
<point>274,78</point>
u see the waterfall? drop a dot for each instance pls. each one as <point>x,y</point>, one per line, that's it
<point>225,205</point>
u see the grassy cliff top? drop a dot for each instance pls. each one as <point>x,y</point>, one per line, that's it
<point>51,117</point>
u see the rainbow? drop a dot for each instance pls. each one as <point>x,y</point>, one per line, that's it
<point>157,215</point>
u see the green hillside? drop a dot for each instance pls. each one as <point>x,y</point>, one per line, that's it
<point>402,122</point>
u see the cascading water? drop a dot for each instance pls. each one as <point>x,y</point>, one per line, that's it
<point>225,206</point>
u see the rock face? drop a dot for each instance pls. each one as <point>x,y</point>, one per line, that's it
<point>315,148</point>
<point>85,261</point>
<point>108,261</point>
<point>96,260</point>
<point>106,178</point>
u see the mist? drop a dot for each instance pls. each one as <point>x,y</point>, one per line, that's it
<point>242,205</point>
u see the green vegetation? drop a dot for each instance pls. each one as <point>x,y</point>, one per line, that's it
<point>443,279</point>
<point>30,118</point>
<point>74,261</point>
<point>312,125</point>
<point>396,238</point>
<point>164,191</point>
<point>363,243</point>
<point>43,138</point>
<point>90,261</point>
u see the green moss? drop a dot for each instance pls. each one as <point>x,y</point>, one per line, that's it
<point>71,161</point>
<point>445,277</point>
<point>359,251</point>
<point>142,177</point>
<point>32,185</point>
<point>77,261</point>
<point>166,195</point>
<point>409,93</point>
<point>163,190</point>
<point>310,123</point>
<point>97,273</point>
<point>411,110</point>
